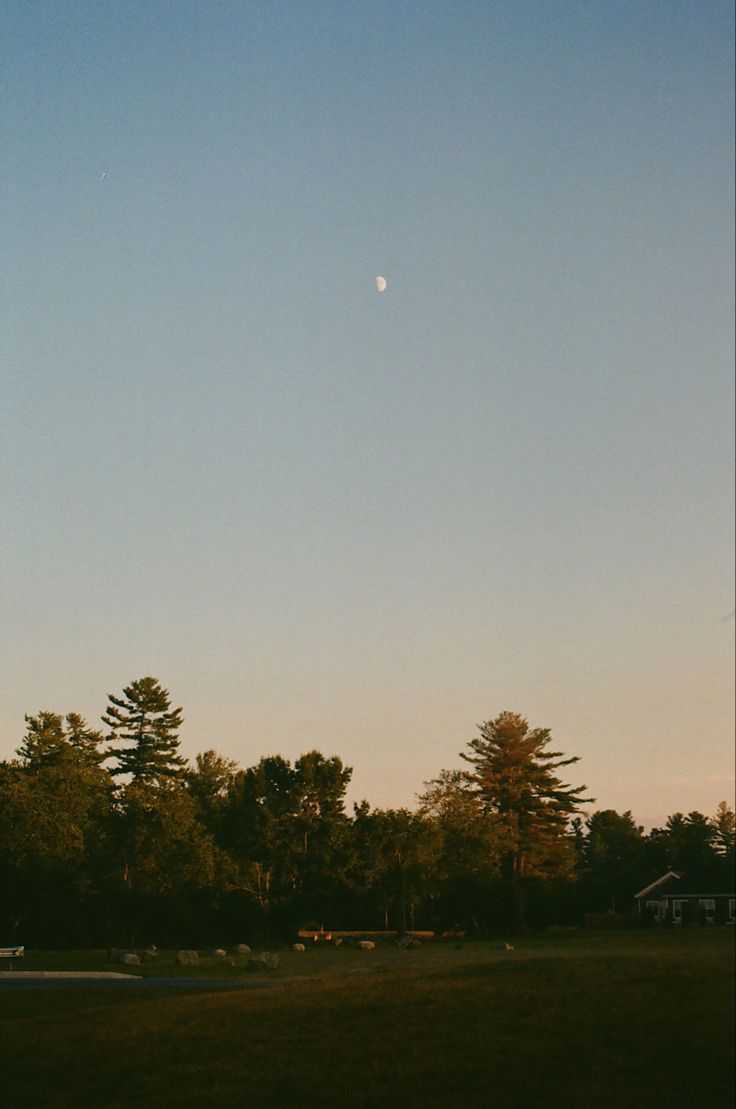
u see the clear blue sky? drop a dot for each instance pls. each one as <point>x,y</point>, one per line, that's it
<point>327,517</point>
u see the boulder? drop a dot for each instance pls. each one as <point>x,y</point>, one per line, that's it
<point>150,953</point>
<point>298,947</point>
<point>241,949</point>
<point>267,960</point>
<point>188,958</point>
<point>220,953</point>
<point>130,959</point>
<point>365,945</point>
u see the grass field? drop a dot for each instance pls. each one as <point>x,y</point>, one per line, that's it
<point>597,1019</point>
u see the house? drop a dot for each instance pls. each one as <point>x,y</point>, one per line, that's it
<point>680,898</point>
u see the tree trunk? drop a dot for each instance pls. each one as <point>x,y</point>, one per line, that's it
<point>402,897</point>
<point>518,918</point>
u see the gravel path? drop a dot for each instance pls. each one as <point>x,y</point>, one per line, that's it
<point>27,974</point>
<point>34,978</point>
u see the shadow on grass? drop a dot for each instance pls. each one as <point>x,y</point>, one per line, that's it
<point>603,1025</point>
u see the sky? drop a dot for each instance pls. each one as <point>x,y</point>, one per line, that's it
<point>325,517</point>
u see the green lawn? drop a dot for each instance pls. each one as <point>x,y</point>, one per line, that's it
<point>631,1019</point>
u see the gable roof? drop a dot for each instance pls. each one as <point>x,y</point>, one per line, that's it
<point>690,885</point>
<point>655,885</point>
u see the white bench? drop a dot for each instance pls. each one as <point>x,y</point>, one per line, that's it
<point>12,953</point>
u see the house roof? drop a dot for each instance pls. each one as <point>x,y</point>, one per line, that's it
<point>690,885</point>
<point>655,885</point>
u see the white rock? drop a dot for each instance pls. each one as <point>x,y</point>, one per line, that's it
<point>241,949</point>
<point>298,947</point>
<point>131,960</point>
<point>365,945</point>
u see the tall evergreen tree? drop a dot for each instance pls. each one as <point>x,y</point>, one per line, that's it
<point>514,777</point>
<point>614,860</point>
<point>685,843</point>
<point>724,827</point>
<point>53,740</point>
<point>144,720</point>
<point>86,743</point>
<point>44,741</point>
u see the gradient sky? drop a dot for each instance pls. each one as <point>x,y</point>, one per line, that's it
<point>325,517</point>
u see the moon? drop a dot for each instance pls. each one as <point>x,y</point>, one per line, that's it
<point>381,284</point>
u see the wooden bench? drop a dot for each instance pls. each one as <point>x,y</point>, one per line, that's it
<point>12,953</point>
<point>359,934</point>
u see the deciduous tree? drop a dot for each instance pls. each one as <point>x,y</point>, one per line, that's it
<point>50,811</point>
<point>209,782</point>
<point>469,850</point>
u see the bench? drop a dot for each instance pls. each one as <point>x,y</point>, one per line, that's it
<point>12,953</point>
<point>320,935</point>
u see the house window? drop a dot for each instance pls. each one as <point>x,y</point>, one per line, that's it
<point>708,903</point>
<point>653,908</point>
<point>732,910</point>
<point>677,912</point>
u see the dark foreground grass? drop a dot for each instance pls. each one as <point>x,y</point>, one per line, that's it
<point>600,1021</point>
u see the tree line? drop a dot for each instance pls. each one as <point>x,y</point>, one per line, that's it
<point>110,838</point>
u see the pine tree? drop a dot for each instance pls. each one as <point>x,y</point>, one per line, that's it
<point>613,860</point>
<point>84,742</point>
<point>44,741</point>
<point>514,777</point>
<point>724,827</point>
<point>143,718</point>
<point>53,740</point>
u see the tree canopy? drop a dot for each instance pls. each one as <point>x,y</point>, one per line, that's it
<point>129,842</point>
<point>144,720</point>
<point>514,777</point>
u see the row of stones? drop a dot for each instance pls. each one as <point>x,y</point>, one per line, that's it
<point>267,959</point>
